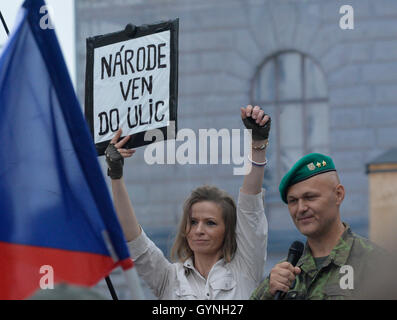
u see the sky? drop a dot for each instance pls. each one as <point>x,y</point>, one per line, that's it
<point>63,18</point>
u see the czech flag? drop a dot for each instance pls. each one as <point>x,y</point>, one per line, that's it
<point>55,208</point>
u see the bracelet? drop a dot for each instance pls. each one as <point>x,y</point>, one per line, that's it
<point>261,147</point>
<point>258,164</point>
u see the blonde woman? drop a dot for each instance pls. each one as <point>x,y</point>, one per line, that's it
<point>220,249</point>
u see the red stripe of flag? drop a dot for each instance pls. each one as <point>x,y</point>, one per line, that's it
<point>20,268</point>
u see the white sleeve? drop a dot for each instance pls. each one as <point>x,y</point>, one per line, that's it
<point>150,263</point>
<point>251,234</point>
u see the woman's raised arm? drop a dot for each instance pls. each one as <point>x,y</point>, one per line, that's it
<point>115,154</point>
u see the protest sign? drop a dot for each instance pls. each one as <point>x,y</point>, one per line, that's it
<point>132,83</point>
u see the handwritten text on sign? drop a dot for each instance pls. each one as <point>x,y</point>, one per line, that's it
<point>131,86</point>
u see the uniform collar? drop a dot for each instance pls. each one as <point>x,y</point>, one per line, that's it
<point>338,255</point>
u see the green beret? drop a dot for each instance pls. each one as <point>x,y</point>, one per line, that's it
<point>305,168</point>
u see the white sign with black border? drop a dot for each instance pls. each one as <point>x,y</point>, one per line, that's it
<point>132,83</point>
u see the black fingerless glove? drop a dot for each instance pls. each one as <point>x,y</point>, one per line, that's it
<point>115,162</point>
<point>258,132</point>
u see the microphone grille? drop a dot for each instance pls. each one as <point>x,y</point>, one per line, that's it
<point>297,247</point>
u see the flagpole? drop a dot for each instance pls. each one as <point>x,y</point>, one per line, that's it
<point>111,288</point>
<point>4,24</point>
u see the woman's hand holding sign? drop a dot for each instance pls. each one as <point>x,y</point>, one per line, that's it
<point>115,154</point>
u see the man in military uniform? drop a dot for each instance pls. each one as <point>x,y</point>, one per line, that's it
<point>335,262</point>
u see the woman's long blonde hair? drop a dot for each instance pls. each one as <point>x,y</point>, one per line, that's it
<point>180,250</point>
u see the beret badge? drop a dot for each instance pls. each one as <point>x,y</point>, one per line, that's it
<point>311,166</point>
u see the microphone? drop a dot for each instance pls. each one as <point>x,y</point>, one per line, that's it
<point>294,253</point>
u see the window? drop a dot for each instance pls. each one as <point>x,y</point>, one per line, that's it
<point>290,86</point>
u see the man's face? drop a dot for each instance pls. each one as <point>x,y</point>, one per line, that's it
<point>314,204</point>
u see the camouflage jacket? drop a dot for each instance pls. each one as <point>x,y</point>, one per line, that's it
<point>325,283</point>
